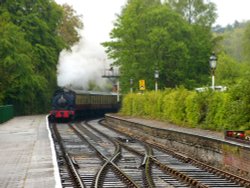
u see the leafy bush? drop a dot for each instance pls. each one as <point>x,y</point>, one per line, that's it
<point>152,104</point>
<point>174,105</point>
<point>208,110</point>
<point>196,108</point>
<point>215,111</point>
<point>126,106</point>
<point>238,109</point>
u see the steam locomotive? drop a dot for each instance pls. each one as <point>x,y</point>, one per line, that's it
<point>72,104</point>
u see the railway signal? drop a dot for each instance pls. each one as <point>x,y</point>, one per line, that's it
<point>113,76</point>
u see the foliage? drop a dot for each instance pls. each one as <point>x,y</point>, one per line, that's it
<point>246,42</point>
<point>232,43</point>
<point>175,38</point>
<point>17,71</point>
<point>29,49</point>
<point>68,24</point>
<point>127,105</point>
<point>209,110</point>
<point>228,71</point>
<point>215,109</point>
<point>200,46</point>
<point>238,111</point>
<point>195,11</point>
<point>234,40</point>
<point>149,35</point>
<point>153,105</point>
<point>173,108</point>
<point>196,108</point>
<point>147,104</point>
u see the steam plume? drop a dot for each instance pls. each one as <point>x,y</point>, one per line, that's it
<point>82,67</point>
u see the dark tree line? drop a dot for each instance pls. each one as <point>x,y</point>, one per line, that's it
<point>32,34</point>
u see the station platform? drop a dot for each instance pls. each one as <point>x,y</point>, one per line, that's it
<point>27,157</point>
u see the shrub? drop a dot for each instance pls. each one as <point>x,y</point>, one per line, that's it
<point>214,111</point>
<point>209,110</point>
<point>196,108</point>
<point>152,104</point>
<point>174,105</point>
<point>127,104</point>
<point>238,109</point>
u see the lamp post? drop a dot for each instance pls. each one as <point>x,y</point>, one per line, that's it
<point>156,78</point>
<point>212,62</point>
<point>131,85</point>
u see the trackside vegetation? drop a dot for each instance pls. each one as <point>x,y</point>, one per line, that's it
<point>32,34</point>
<point>207,110</point>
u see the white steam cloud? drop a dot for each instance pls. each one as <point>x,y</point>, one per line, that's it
<point>84,65</point>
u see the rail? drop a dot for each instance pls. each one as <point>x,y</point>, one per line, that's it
<point>109,162</point>
<point>190,181</point>
<point>70,163</point>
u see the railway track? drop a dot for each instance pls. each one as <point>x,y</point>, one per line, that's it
<point>107,158</point>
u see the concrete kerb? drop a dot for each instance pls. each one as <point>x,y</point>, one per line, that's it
<point>54,159</point>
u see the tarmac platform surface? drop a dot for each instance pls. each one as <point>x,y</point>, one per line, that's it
<point>26,156</point>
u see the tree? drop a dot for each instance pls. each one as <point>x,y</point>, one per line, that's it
<point>195,11</point>
<point>233,40</point>
<point>18,77</point>
<point>228,71</point>
<point>69,22</point>
<point>30,47</point>
<point>200,45</point>
<point>128,52</point>
<point>246,43</point>
<point>149,36</point>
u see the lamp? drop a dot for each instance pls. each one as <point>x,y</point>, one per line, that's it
<point>212,62</point>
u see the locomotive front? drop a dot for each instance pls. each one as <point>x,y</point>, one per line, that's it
<point>63,105</point>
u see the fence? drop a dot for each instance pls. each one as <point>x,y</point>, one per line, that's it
<point>6,113</point>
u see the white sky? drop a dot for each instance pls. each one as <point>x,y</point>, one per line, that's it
<point>230,10</point>
<point>99,14</point>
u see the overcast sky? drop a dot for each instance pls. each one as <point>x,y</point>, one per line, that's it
<point>230,10</point>
<point>87,60</point>
<point>99,14</point>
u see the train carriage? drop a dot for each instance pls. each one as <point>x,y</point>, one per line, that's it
<point>95,103</point>
<point>84,103</point>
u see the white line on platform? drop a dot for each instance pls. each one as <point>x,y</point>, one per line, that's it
<point>55,164</point>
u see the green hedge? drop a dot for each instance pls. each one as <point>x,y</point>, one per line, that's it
<point>6,113</point>
<point>208,110</point>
